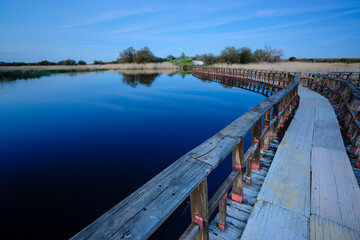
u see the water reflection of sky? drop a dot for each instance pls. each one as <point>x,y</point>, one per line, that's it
<point>71,147</point>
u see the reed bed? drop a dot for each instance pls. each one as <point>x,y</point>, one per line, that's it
<point>120,66</point>
<point>297,66</point>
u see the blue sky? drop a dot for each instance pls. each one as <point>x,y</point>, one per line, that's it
<point>99,30</point>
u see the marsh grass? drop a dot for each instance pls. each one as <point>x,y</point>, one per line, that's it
<point>297,66</point>
<point>120,66</point>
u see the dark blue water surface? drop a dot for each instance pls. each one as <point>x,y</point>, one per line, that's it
<point>71,147</point>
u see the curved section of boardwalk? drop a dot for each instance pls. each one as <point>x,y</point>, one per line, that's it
<point>310,191</point>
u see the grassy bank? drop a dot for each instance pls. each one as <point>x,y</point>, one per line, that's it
<point>27,74</point>
<point>182,62</point>
<point>298,66</point>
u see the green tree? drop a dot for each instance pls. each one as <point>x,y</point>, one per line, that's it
<point>259,55</point>
<point>144,56</point>
<point>98,62</point>
<point>81,62</point>
<point>245,54</point>
<point>291,59</point>
<point>69,62</point>
<point>127,55</point>
<point>229,55</point>
<point>182,56</point>
<point>171,57</point>
<point>208,59</point>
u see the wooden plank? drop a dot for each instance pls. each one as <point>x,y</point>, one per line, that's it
<point>234,212</point>
<point>306,102</point>
<point>305,114</point>
<point>323,229</point>
<point>325,114</point>
<point>240,206</point>
<point>240,225</point>
<point>268,221</point>
<point>139,215</point>
<point>230,232</point>
<point>327,135</point>
<point>299,135</point>
<point>335,194</point>
<point>322,103</point>
<point>213,236</point>
<point>287,184</point>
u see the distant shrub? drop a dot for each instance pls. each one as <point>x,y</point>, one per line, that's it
<point>292,59</point>
<point>81,62</point>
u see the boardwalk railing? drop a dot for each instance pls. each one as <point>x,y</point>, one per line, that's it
<point>140,214</point>
<point>353,77</point>
<point>272,78</point>
<point>346,97</point>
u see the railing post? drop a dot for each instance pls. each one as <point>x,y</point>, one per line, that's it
<point>266,125</point>
<point>238,163</point>
<point>282,110</point>
<point>222,213</point>
<point>256,135</point>
<point>199,209</point>
<point>275,128</point>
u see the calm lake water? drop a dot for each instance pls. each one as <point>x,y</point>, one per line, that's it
<point>73,146</point>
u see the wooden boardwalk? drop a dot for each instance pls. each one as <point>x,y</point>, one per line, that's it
<point>310,191</point>
<point>305,187</point>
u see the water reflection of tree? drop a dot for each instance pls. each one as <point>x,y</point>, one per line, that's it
<point>142,78</point>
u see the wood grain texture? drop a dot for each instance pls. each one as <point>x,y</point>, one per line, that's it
<point>323,229</point>
<point>335,194</point>
<point>269,221</point>
<point>287,183</point>
<point>299,135</point>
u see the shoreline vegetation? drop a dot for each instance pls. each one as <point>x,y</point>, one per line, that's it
<point>10,73</point>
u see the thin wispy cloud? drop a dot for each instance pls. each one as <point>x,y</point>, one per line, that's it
<point>108,16</point>
<point>99,31</point>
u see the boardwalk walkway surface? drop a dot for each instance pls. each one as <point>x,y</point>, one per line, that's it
<point>310,191</point>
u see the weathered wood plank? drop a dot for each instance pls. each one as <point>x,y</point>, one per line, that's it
<point>299,135</point>
<point>305,114</point>
<point>268,221</point>
<point>230,232</point>
<point>327,135</point>
<point>325,114</point>
<point>240,206</point>
<point>335,193</point>
<point>287,183</point>
<point>323,229</point>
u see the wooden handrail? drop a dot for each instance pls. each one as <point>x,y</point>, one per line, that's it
<point>141,213</point>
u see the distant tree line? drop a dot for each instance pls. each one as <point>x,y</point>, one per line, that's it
<point>144,55</point>
<point>67,62</point>
<point>230,55</point>
<point>243,55</point>
<point>325,60</point>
